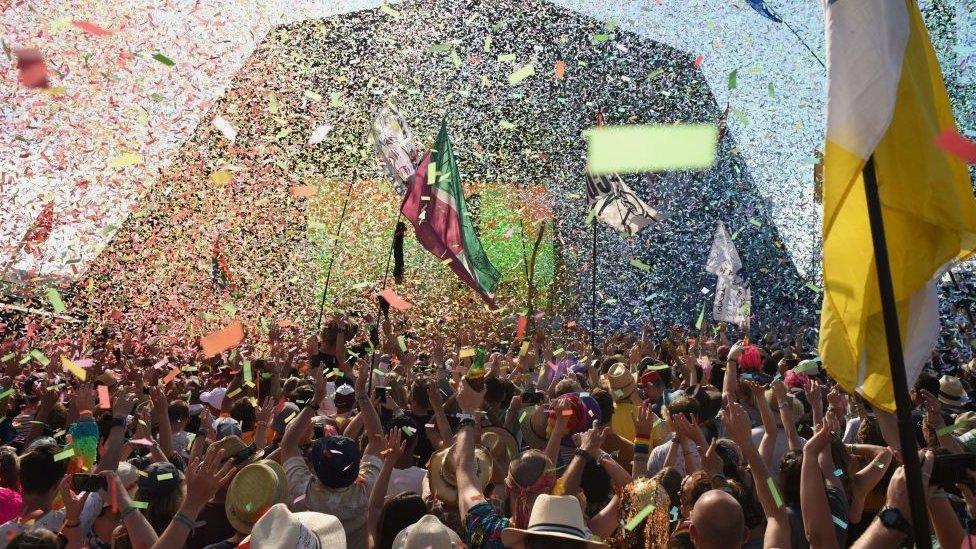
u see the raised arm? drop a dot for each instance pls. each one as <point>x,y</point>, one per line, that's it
<point>371,420</point>
<point>736,423</point>
<point>813,496</point>
<point>470,490</point>
<point>203,479</point>
<point>784,404</point>
<point>121,408</point>
<point>291,440</point>
<point>395,448</point>
<point>161,411</point>
<point>590,443</point>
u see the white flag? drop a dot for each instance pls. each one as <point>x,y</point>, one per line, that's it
<point>618,206</point>
<point>733,300</point>
<point>723,259</point>
<point>395,146</point>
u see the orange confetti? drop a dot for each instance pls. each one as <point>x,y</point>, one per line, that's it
<point>303,191</point>
<point>520,329</point>
<point>171,375</point>
<point>91,28</point>
<point>698,61</point>
<point>560,69</point>
<point>394,300</point>
<point>220,341</point>
<point>104,402</point>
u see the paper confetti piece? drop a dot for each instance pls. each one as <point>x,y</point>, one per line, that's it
<point>640,265</point>
<point>466,352</point>
<point>171,375</point>
<point>840,522</point>
<point>949,428</point>
<point>771,90</point>
<point>221,177</point>
<point>674,514</point>
<point>698,61</point>
<point>951,142</point>
<point>838,472</point>
<point>163,59</point>
<point>139,504</point>
<point>222,340</point>
<point>32,68</point>
<point>772,488</point>
<point>164,476</point>
<point>733,79</point>
<point>385,8</point>
<point>40,357</point>
<point>247,370</point>
<point>521,74</point>
<point>225,128</point>
<point>76,370</point>
<point>646,148</point>
<point>701,318</point>
<point>524,349</point>
<point>6,393</point>
<point>91,28</point>
<point>61,456</point>
<point>125,159</point>
<point>302,191</point>
<point>55,298</point>
<point>234,393</point>
<point>523,322</point>
<point>319,134</point>
<point>639,517</point>
<point>104,401</point>
<point>402,344</point>
<point>395,300</point>
<point>560,70</point>
<point>506,58</point>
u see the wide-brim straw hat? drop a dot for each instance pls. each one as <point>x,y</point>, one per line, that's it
<point>255,489</point>
<point>621,380</point>
<point>951,392</point>
<point>502,446</point>
<point>533,422</point>
<point>427,533</point>
<point>280,528</point>
<point>442,474</point>
<point>553,517</point>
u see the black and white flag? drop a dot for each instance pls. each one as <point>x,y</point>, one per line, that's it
<point>617,205</point>
<point>733,298</point>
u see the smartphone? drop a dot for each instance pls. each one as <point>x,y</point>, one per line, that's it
<point>381,393</point>
<point>81,482</point>
<point>532,397</point>
<point>949,470</point>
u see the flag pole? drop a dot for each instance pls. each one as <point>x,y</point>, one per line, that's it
<point>335,249</point>
<point>593,291</point>
<point>896,360</point>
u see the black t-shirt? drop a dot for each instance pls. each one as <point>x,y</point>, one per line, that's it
<point>424,448</point>
<point>215,530</point>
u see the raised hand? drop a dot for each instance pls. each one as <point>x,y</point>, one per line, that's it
<point>736,422</point>
<point>396,446</point>
<point>204,477</point>
<point>468,399</point>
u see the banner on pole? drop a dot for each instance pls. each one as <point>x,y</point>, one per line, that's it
<point>394,144</point>
<point>617,205</point>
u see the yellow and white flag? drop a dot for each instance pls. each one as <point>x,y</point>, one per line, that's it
<point>886,97</point>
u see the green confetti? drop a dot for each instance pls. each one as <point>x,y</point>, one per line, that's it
<point>402,343</point>
<point>8,356</point>
<point>755,222</point>
<point>164,476</point>
<point>385,8</point>
<point>639,517</point>
<point>55,298</point>
<point>61,456</point>
<point>521,74</point>
<point>701,318</point>
<point>772,488</point>
<point>139,504</point>
<point>506,125</point>
<point>40,357</point>
<point>949,428</point>
<point>487,44</point>
<point>441,47</point>
<point>6,393</point>
<point>247,370</point>
<point>649,148</point>
<point>741,117</point>
<point>163,59</point>
<point>640,265</point>
<point>601,38</point>
<point>506,58</point>
<point>734,79</point>
<point>813,287</point>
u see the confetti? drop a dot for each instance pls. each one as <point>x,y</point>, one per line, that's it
<point>957,145</point>
<point>225,128</point>
<point>521,74</point>
<point>61,456</point>
<point>164,476</point>
<point>775,491</point>
<point>91,28</point>
<point>629,149</point>
<point>163,59</point>
<point>55,298</point>
<point>639,517</point>
<point>139,504</point>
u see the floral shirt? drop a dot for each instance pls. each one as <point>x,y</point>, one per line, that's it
<point>483,527</point>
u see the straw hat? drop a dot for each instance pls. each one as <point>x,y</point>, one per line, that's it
<point>443,474</point>
<point>428,532</point>
<point>234,448</point>
<point>966,422</point>
<point>553,517</point>
<point>951,392</point>
<point>621,380</point>
<point>533,422</point>
<point>502,446</point>
<point>280,528</point>
<point>255,489</point>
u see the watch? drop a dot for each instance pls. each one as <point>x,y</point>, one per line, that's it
<point>892,518</point>
<point>587,457</point>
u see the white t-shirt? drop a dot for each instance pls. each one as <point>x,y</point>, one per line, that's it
<point>406,480</point>
<point>782,446</point>
<point>52,520</point>
<point>660,453</point>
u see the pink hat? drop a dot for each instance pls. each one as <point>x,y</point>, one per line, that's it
<point>10,504</point>
<point>795,380</point>
<point>751,359</point>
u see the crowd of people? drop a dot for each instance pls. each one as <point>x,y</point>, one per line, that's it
<point>368,436</point>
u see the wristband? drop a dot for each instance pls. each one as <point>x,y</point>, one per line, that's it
<point>184,520</point>
<point>584,454</point>
<point>126,512</point>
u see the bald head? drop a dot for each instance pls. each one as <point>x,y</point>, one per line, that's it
<point>717,521</point>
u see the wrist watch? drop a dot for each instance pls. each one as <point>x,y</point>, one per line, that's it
<point>892,519</point>
<point>587,457</point>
